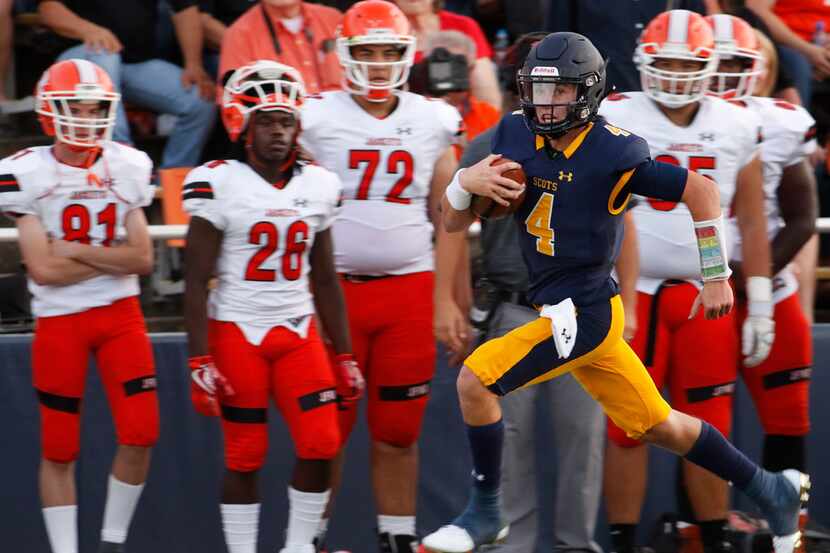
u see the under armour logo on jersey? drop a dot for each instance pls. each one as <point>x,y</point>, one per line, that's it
<point>706,137</point>
<point>563,176</point>
<point>404,130</point>
<point>566,335</point>
<point>300,202</point>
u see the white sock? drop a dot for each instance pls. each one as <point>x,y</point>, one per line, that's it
<point>62,528</point>
<point>121,501</point>
<point>322,529</point>
<point>241,524</point>
<point>396,526</point>
<point>304,514</point>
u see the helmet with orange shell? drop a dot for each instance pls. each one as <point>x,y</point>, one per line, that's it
<point>263,85</point>
<point>375,22</point>
<point>735,40</point>
<point>70,81</point>
<point>676,35</point>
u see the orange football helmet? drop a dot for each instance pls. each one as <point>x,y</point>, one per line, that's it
<point>676,35</point>
<point>70,81</point>
<point>735,40</point>
<point>375,22</point>
<point>262,85</point>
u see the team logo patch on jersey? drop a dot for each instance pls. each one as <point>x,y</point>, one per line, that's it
<point>200,189</point>
<point>9,184</point>
<point>569,176</point>
<point>706,137</point>
<point>281,212</point>
<point>383,142</point>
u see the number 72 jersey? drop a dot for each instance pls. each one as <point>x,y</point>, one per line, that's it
<point>78,205</point>
<point>386,168</point>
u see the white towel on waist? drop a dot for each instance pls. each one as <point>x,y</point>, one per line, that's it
<point>563,325</point>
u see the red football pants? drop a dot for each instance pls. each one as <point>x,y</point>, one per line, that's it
<point>116,335</point>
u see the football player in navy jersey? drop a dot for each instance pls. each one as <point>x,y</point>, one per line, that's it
<point>580,173</point>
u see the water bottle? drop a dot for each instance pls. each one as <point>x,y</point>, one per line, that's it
<point>820,34</point>
<point>500,46</point>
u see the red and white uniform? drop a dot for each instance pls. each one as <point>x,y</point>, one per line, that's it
<point>100,315</point>
<point>384,231</point>
<point>719,142</point>
<point>261,332</point>
<point>780,385</point>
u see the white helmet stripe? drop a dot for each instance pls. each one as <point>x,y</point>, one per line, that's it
<point>723,28</point>
<point>86,71</point>
<point>678,26</point>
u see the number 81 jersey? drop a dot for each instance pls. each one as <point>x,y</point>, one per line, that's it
<point>386,167</point>
<point>267,234</point>
<point>78,205</point>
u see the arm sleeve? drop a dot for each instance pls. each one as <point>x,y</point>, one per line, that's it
<point>198,196</point>
<point>655,179</point>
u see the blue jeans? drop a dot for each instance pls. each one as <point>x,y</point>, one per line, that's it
<point>156,85</point>
<point>800,70</point>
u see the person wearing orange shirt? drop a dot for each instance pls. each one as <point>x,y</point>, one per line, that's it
<point>292,32</point>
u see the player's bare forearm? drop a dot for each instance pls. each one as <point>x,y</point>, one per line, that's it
<point>442,174</point>
<point>752,221</point>
<point>135,257</point>
<point>702,197</point>
<point>797,204</point>
<point>200,254</point>
<point>453,220</point>
<point>43,267</point>
<point>628,264</point>
<point>328,295</point>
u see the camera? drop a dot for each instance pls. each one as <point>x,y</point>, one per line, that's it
<point>439,73</point>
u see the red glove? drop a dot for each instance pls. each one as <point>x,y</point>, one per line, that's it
<point>350,381</point>
<point>207,385</point>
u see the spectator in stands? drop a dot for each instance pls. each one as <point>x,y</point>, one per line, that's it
<point>122,41</point>
<point>296,33</point>
<point>478,115</point>
<point>427,16</point>
<point>6,30</point>
<point>800,28</point>
<point>613,27</point>
<point>217,16</point>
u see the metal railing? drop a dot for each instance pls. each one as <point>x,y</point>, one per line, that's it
<point>167,232</point>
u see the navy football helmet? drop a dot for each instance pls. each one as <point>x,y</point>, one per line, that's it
<point>561,58</point>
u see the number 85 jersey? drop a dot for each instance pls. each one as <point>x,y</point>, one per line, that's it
<point>78,205</point>
<point>386,167</point>
<point>268,231</point>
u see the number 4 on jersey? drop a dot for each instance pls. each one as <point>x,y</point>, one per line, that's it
<point>538,224</point>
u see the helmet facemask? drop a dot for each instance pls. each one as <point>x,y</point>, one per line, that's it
<point>356,73</point>
<point>674,88</point>
<point>735,85</point>
<point>537,95</point>
<point>54,107</point>
<point>262,86</point>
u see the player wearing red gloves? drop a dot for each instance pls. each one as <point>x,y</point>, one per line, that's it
<point>261,226</point>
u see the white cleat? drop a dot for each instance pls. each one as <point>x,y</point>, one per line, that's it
<point>454,539</point>
<point>786,544</point>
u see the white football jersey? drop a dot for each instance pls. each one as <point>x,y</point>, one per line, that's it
<point>720,141</point>
<point>386,167</point>
<point>267,235</point>
<point>789,137</point>
<point>75,204</point>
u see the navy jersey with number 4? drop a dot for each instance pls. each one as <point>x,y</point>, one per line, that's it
<point>571,220</point>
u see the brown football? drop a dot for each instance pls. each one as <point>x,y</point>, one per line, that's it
<point>486,208</point>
